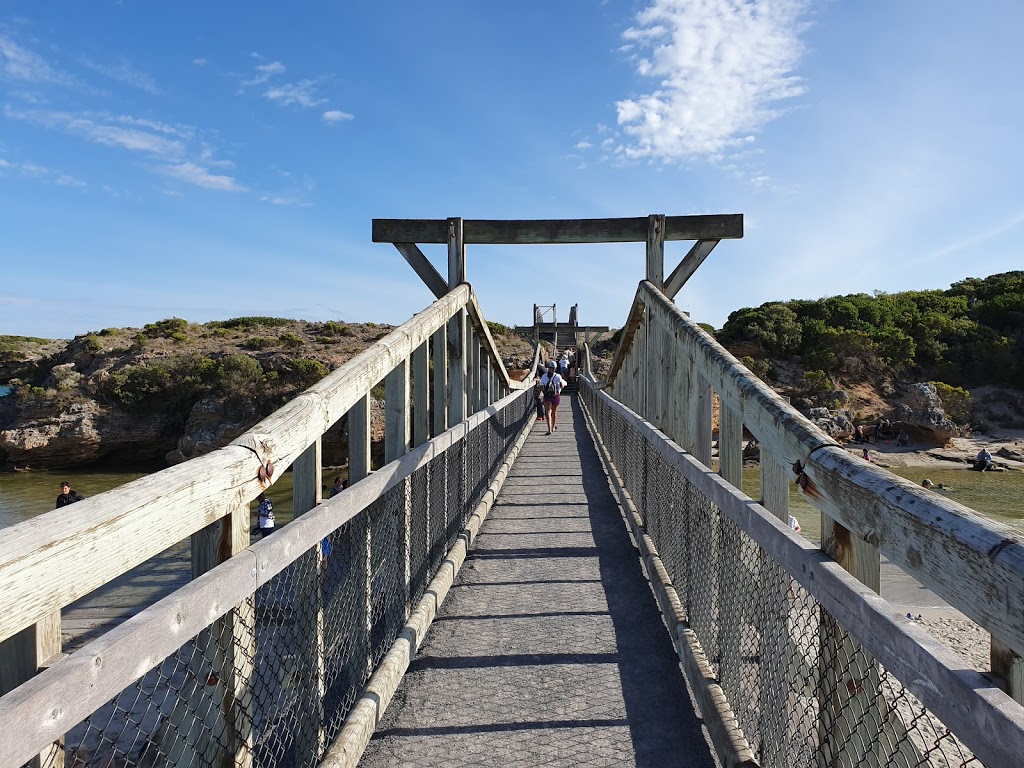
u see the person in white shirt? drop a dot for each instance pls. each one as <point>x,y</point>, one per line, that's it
<point>551,384</point>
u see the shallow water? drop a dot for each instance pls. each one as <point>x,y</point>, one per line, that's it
<point>25,495</point>
<point>996,495</point>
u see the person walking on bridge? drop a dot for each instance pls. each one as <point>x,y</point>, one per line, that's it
<point>551,384</point>
<point>67,495</point>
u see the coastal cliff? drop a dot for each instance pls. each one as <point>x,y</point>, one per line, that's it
<point>172,390</point>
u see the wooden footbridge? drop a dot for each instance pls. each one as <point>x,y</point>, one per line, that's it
<point>604,595</point>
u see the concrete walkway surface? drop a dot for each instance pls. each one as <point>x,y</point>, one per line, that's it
<point>549,650</point>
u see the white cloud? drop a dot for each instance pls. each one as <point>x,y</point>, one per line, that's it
<point>721,65</point>
<point>103,129</point>
<point>22,64</point>
<point>43,174</point>
<point>265,72</point>
<point>123,71</point>
<point>199,62</point>
<point>192,173</point>
<point>302,93</point>
<point>336,116</point>
<point>584,144</point>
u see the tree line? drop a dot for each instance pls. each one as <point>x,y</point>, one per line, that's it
<point>969,334</point>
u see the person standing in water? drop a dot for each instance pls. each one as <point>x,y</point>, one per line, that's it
<point>67,495</point>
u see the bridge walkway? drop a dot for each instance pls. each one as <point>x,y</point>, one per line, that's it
<point>550,649</point>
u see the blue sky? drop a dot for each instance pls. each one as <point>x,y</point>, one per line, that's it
<point>211,160</point>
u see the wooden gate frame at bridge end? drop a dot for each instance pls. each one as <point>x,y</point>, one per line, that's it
<point>654,230</point>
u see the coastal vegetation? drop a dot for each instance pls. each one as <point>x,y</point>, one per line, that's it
<point>171,388</point>
<point>969,334</point>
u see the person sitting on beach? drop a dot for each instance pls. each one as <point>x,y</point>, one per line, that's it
<point>866,455</point>
<point>67,495</point>
<point>903,438</point>
<point>339,486</point>
<point>983,461</point>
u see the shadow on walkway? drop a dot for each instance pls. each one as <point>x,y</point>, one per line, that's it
<point>549,649</point>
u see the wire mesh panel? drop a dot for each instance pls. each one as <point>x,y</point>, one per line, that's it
<point>803,690</point>
<point>271,682</point>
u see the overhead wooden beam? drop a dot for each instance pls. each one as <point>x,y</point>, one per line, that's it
<point>688,266</point>
<point>428,274</point>
<point>554,231</point>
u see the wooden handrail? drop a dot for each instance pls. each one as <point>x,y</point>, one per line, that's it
<point>52,560</point>
<point>975,564</point>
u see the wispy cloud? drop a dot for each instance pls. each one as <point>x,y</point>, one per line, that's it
<point>109,130</point>
<point>41,173</point>
<point>723,67</point>
<point>123,71</point>
<point>302,93</point>
<point>23,65</point>
<point>192,173</point>
<point>264,72</point>
<point>336,116</point>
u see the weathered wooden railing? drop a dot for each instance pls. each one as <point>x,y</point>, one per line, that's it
<point>351,567</point>
<point>666,372</point>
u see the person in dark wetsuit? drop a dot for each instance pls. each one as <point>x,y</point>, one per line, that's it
<point>67,495</point>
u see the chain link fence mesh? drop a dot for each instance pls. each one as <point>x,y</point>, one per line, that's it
<point>271,682</point>
<point>803,690</point>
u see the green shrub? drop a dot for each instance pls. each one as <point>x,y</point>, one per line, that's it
<point>244,323</point>
<point>762,368</point>
<point>332,328</point>
<point>291,340</point>
<point>165,328</point>
<point>817,382</point>
<point>309,371</point>
<point>240,376</point>
<point>259,342</point>
<point>139,343</point>
<point>110,332</point>
<point>92,343</point>
<point>370,325</point>
<point>497,329</point>
<point>956,401</point>
<point>179,337</point>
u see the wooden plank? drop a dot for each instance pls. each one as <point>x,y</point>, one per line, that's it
<point>554,231</point>
<point>427,272</point>
<point>359,440</point>
<point>655,249</point>
<point>1010,667</point>
<point>21,658</point>
<point>439,386</point>
<point>685,269</point>
<point>986,719</point>
<point>397,424</point>
<point>421,395</point>
<point>457,369</point>
<point>307,493</point>
<point>730,446</point>
<point>699,430</point>
<point>455,238</point>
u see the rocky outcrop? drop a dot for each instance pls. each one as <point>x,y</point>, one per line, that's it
<point>81,433</point>
<point>837,423</point>
<point>921,411</point>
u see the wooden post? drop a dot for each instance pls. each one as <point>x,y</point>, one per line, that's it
<point>307,492</point>
<point>24,655</point>
<point>847,723</point>
<point>456,327</point>
<point>217,699</point>
<point>421,393</point>
<point>359,440</point>
<point>396,445</point>
<point>439,356</point>
<point>656,249</point>
<point>1010,666</point>
<point>774,701</point>
<point>699,416</point>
